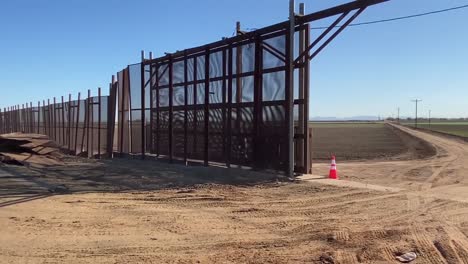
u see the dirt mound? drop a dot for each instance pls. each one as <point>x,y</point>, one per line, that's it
<point>417,148</point>
<point>29,149</point>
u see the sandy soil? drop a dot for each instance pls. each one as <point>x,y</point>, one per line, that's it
<point>125,211</point>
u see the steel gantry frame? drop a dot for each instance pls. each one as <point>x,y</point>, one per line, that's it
<point>241,101</point>
<point>294,154</point>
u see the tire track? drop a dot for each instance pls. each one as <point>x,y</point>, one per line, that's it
<point>345,257</point>
<point>425,244</point>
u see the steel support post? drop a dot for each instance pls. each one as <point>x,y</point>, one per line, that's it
<point>54,118</point>
<point>157,111</point>
<point>223,110</point>
<point>257,110</point>
<point>99,123</point>
<point>238,88</point>
<point>307,146</point>
<point>151,81</point>
<point>301,126</point>
<point>77,123</point>
<point>171,104</point>
<point>63,123</point>
<point>69,121</point>
<point>89,115</point>
<point>44,117</point>
<point>31,112</point>
<point>195,102</point>
<point>122,111</point>
<point>290,89</point>
<point>206,106</point>
<point>38,116</point>
<point>143,110</point>
<point>185,108</point>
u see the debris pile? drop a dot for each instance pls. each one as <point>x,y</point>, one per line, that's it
<point>29,149</point>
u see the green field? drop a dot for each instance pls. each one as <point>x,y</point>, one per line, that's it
<point>453,128</point>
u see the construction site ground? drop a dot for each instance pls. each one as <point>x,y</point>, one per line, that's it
<point>134,211</point>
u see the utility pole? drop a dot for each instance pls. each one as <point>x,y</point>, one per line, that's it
<point>416,116</point>
<point>398,116</point>
<point>429,118</point>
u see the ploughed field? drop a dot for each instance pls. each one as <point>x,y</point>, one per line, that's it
<point>365,140</point>
<point>452,128</point>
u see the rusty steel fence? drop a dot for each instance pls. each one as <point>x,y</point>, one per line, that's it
<point>242,101</point>
<point>79,127</point>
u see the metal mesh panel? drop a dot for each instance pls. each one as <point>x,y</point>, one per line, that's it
<point>216,137</point>
<point>163,133</point>
<point>81,128</point>
<point>123,113</point>
<point>135,127</point>
<point>249,92</point>
<point>74,126</point>
<point>178,133</point>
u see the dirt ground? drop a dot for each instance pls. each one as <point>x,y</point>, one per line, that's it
<point>131,211</point>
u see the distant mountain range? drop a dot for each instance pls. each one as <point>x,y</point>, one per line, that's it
<point>372,118</point>
<point>351,118</point>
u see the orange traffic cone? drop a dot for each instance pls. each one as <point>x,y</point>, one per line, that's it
<point>333,174</point>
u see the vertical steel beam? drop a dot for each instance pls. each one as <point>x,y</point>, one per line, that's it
<point>301,126</point>
<point>99,123</point>
<point>290,89</point>
<point>63,123</point>
<point>38,116</point>
<point>91,125</point>
<point>87,123</point>
<point>224,94</point>
<point>69,121</point>
<point>111,106</point>
<point>307,153</point>
<point>151,139</point>
<point>143,110</point>
<point>157,110</point>
<point>195,102</point>
<point>122,111</point>
<point>238,67</point>
<point>171,103</point>
<point>77,123</point>
<point>44,117</point>
<point>21,112</point>
<point>21,118</point>
<point>13,119</point>
<point>206,106</point>
<point>257,110</point>
<point>185,107</point>
<point>54,118</point>
<point>31,112</point>
<point>49,123</point>
<point>238,90</point>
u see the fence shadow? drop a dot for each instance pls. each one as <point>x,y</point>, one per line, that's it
<point>22,184</point>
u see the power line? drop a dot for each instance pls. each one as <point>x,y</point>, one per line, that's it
<point>399,18</point>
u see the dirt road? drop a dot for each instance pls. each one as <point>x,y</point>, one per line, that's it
<point>127,212</point>
<point>444,175</point>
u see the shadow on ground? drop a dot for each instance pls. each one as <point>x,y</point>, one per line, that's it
<point>78,175</point>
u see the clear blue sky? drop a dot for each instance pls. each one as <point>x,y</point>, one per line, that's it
<point>52,48</point>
